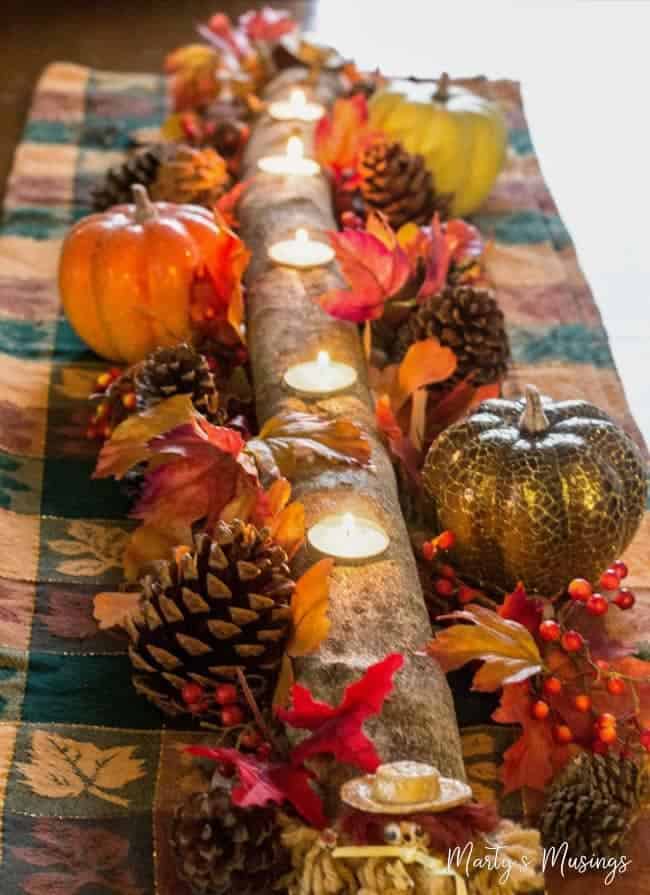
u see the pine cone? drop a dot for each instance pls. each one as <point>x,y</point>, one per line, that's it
<point>189,175</point>
<point>223,606</point>
<point>142,168</point>
<point>220,848</point>
<point>592,805</point>
<point>470,322</point>
<point>178,371</point>
<point>399,184</point>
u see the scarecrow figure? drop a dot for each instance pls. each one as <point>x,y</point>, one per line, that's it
<point>396,837</point>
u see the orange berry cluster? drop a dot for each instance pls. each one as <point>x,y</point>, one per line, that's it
<point>446,583</point>
<point>581,591</point>
<point>113,407</point>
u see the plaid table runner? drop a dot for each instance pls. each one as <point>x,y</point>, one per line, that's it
<point>88,771</point>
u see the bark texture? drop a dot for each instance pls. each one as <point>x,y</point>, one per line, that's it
<point>376,608</point>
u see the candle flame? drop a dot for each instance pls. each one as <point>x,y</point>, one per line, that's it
<point>302,235</point>
<point>323,359</point>
<point>348,524</point>
<point>295,149</point>
<point>297,97</point>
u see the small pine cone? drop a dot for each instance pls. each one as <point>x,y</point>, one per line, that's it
<point>470,322</point>
<point>220,848</point>
<point>142,167</point>
<point>399,184</point>
<point>180,370</point>
<point>592,805</point>
<point>190,175</point>
<point>224,605</point>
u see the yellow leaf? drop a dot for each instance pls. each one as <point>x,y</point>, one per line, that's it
<point>286,680</point>
<point>113,609</point>
<point>172,129</point>
<point>309,606</point>
<point>150,543</point>
<point>288,528</point>
<point>61,768</point>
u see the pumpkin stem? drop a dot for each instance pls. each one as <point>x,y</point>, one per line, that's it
<point>442,91</point>
<point>533,420</point>
<point>144,207</point>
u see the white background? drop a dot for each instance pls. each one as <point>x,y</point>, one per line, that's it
<point>585,72</point>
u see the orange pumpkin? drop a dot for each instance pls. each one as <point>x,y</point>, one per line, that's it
<point>127,276</point>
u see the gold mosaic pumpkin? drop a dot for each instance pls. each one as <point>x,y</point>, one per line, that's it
<point>536,491</point>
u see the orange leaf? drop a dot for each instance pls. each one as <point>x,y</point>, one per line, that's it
<point>425,362</point>
<point>288,528</point>
<point>506,648</point>
<point>309,606</point>
<point>150,543</point>
<point>112,609</point>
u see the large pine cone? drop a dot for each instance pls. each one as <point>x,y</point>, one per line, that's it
<point>142,167</point>
<point>180,370</point>
<point>399,184</point>
<point>225,605</point>
<point>592,805</point>
<point>190,175</point>
<point>471,323</point>
<point>220,848</point>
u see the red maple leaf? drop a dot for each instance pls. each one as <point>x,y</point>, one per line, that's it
<point>519,607</point>
<point>338,730</point>
<point>260,782</point>
<point>535,757</point>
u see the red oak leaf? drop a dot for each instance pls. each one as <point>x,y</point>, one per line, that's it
<point>260,782</point>
<point>535,757</point>
<point>375,272</point>
<point>519,607</point>
<point>338,730</point>
<point>199,471</point>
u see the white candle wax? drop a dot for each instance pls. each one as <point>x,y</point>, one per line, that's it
<point>293,162</point>
<point>322,376</point>
<point>296,108</point>
<point>348,536</point>
<point>301,251</point>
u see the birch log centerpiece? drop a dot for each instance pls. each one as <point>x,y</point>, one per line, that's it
<point>376,607</point>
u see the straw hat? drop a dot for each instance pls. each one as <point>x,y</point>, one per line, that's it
<point>405,787</point>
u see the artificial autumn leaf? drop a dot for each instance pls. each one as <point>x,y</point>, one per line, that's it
<point>535,757</point>
<point>437,258</point>
<point>506,648</point>
<point>63,768</point>
<point>285,521</point>
<point>519,607</point>
<point>374,270</point>
<point>261,782</point>
<point>193,71</point>
<point>129,443</point>
<point>458,402</point>
<point>113,609</point>
<point>338,730</point>
<point>266,25</point>
<point>309,605</point>
<point>425,363</point>
<point>341,134</point>
<point>293,437</point>
<point>227,204</point>
<point>399,444</point>
<point>217,297</point>
<point>152,542</point>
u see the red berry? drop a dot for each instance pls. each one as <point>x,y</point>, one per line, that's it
<point>250,739</point>
<point>103,381</point>
<point>582,702</point>
<point>129,401</point>
<point>540,710</point>
<point>620,569</point>
<point>428,550</point>
<point>580,589</point>
<point>447,571</point>
<point>605,720</point>
<point>597,605</point>
<point>599,747</point>
<point>615,686</point>
<point>602,664</point>
<point>625,598</point>
<point>232,715</point>
<point>466,594</point>
<point>263,751</point>
<point>644,738</point>
<point>609,580</point>
<point>192,694</point>
<point>446,540</point>
<point>552,686</point>
<point>443,587</point>
<point>226,694</point>
<point>549,630</point>
<point>608,735</point>
<point>562,733</point>
<point>572,642</point>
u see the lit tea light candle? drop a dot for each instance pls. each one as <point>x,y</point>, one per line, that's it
<point>348,537</point>
<point>296,108</point>
<point>322,376</point>
<point>301,251</point>
<point>293,162</point>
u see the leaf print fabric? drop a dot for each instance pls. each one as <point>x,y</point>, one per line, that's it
<point>99,548</point>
